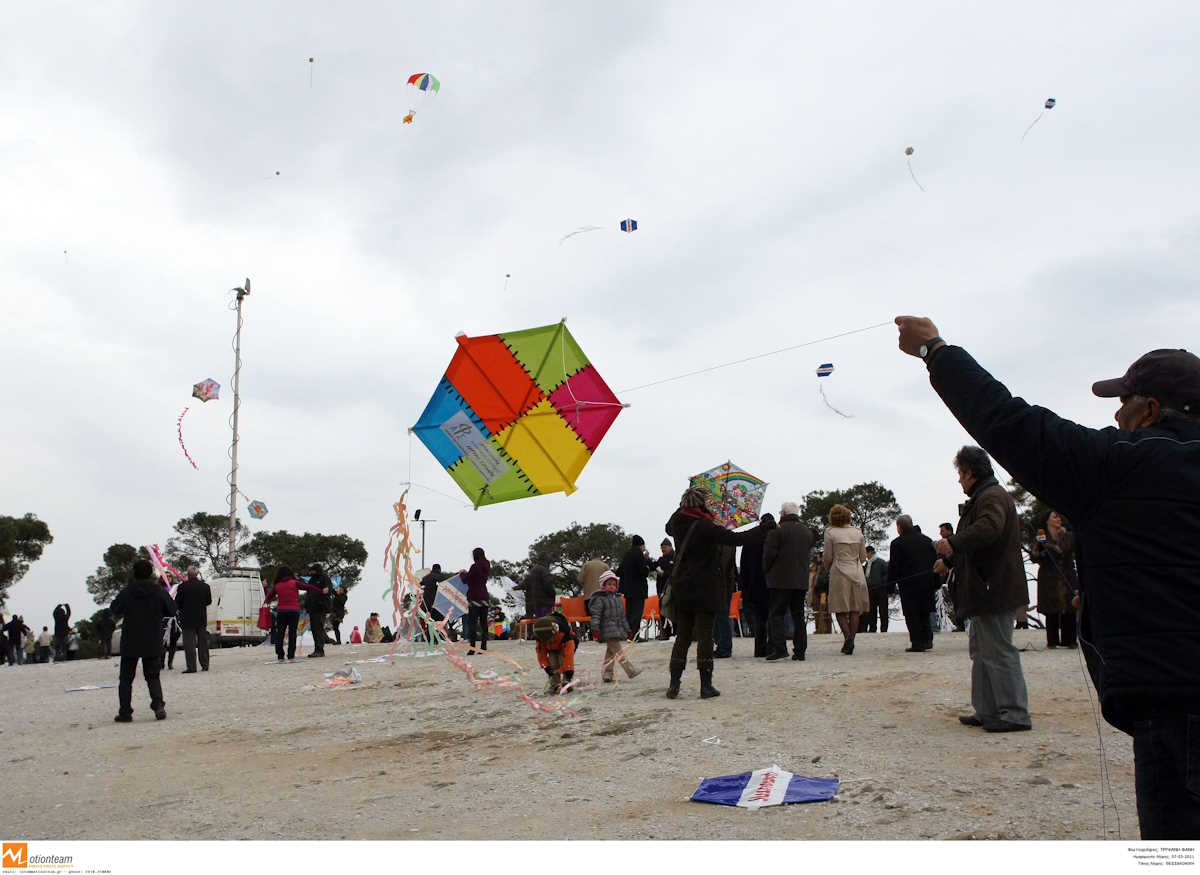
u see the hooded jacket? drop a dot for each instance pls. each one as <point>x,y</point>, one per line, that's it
<point>608,616</point>
<point>1132,499</point>
<point>144,604</point>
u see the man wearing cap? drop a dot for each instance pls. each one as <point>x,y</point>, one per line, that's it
<point>1131,493</point>
<point>663,566</point>
<point>633,571</point>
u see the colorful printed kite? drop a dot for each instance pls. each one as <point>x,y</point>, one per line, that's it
<point>737,494</point>
<point>425,82</point>
<point>629,225</point>
<point>257,509</point>
<point>517,414</point>
<point>764,787</point>
<point>207,390</point>
<point>909,152</point>
<point>182,445</point>
<point>1049,105</point>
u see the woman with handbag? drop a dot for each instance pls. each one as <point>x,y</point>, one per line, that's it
<point>696,590</point>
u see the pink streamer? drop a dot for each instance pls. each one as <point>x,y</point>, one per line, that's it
<point>179,429</point>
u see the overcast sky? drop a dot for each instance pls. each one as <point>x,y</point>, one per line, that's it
<point>761,149</point>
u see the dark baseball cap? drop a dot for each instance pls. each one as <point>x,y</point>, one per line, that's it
<point>1170,375</point>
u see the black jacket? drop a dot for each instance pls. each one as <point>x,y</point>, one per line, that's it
<point>16,630</point>
<point>786,554</point>
<point>538,587</point>
<point>193,598</point>
<point>633,571</point>
<point>910,565</point>
<point>754,579</point>
<point>318,602</point>
<point>698,584</point>
<point>1132,499</point>
<point>61,615</point>
<point>144,604</point>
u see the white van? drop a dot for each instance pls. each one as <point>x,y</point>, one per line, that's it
<point>233,615</point>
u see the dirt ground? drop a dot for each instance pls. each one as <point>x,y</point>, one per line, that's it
<point>248,752</point>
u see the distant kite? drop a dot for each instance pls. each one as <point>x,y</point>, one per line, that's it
<point>310,71</point>
<point>908,160</point>
<point>629,225</point>
<point>408,119</point>
<point>1049,105</point>
<point>425,82</point>
<point>207,390</point>
<point>257,509</point>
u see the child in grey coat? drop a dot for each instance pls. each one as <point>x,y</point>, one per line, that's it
<point>610,626</point>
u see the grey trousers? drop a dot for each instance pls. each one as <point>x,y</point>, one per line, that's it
<point>193,638</point>
<point>997,683</point>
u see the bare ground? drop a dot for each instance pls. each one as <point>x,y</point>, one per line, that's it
<point>415,752</point>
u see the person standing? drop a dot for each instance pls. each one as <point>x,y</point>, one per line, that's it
<point>73,644</point>
<point>987,557</point>
<point>722,623</point>
<point>818,595</point>
<point>845,554</point>
<point>144,604</point>
<point>633,571</point>
<point>317,603</point>
<point>45,643</point>
<point>16,630</point>
<point>287,615</point>
<point>193,598</point>
<point>478,600</point>
<point>610,626</point>
<point>337,612</point>
<point>538,587</point>
<point>876,572</point>
<point>697,586</point>
<point>1054,554</point>
<point>429,592</point>
<point>756,600</point>
<point>663,566</point>
<point>105,626</point>
<point>62,628</point>
<point>785,557</point>
<point>911,559</point>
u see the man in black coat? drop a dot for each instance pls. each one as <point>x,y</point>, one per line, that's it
<point>663,566</point>
<point>785,563</point>
<point>105,626</point>
<point>317,604</point>
<point>756,601</point>
<point>145,604</point>
<point>910,566</point>
<point>876,572</point>
<point>1131,493</point>
<point>193,597</point>
<point>633,571</point>
<point>62,628</point>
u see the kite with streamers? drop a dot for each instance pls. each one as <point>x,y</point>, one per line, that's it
<point>163,569</point>
<point>1047,106</point>
<point>425,82</point>
<point>737,494</point>
<point>908,160</point>
<point>257,509</point>
<point>517,414</point>
<point>823,371</point>
<point>182,445</point>
<point>207,390</point>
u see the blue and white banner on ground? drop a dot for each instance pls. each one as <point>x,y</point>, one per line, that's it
<point>763,787</point>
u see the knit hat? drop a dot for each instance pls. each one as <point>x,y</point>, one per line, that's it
<point>608,575</point>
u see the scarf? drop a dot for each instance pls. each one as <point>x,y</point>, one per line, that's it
<point>697,513</point>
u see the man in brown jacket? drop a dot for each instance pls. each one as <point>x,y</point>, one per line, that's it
<point>986,552</point>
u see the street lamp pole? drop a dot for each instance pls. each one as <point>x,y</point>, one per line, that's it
<point>242,292</point>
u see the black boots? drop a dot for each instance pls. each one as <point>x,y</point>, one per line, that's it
<point>676,677</point>
<point>707,690</point>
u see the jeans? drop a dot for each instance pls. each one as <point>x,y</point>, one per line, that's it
<point>477,613</point>
<point>1166,775</point>
<point>316,622</point>
<point>689,626</point>
<point>150,669</point>
<point>784,602</point>
<point>193,639</point>
<point>16,656</point>
<point>877,616</point>
<point>997,683</point>
<point>286,621</point>
<point>633,613</point>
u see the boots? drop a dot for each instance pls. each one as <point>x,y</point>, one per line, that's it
<point>707,690</point>
<point>676,677</point>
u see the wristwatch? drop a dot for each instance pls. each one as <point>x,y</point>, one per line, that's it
<point>929,346</point>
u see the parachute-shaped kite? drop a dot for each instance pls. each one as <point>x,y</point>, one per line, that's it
<point>517,414</point>
<point>207,390</point>
<point>629,225</point>
<point>1049,105</point>
<point>425,82</point>
<point>257,509</point>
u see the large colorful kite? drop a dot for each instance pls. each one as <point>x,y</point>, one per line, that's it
<point>737,494</point>
<point>517,414</point>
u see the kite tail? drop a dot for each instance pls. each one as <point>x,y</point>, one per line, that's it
<point>182,445</point>
<point>1031,124</point>
<point>914,179</point>
<point>821,389</point>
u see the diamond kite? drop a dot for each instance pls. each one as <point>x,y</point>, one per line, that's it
<point>517,414</point>
<point>257,509</point>
<point>737,494</point>
<point>207,390</point>
<point>629,225</point>
<point>425,82</point>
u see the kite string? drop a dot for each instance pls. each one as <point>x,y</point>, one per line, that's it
<point>1031,124</point>
<point>760,355</point>
<point>913,175</point>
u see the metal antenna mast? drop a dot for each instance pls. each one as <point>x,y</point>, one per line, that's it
<point>242,292</point>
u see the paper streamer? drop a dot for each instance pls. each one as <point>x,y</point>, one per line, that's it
<point>182,445</point>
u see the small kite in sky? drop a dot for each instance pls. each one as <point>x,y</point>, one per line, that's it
<point>408,119</point>
<point>1049,105</point>
<point>824,370</point>
<point>425,82</point>
<point>629,225</point>
<point>311,61</point>
<point>207,390</point>
<point>909,152</point>
<point>257,509</point>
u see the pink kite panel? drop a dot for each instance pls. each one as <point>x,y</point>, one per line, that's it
<point>596,409</point>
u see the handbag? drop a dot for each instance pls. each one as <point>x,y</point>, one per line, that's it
<point>264,618</point>
<point>666,601</point>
